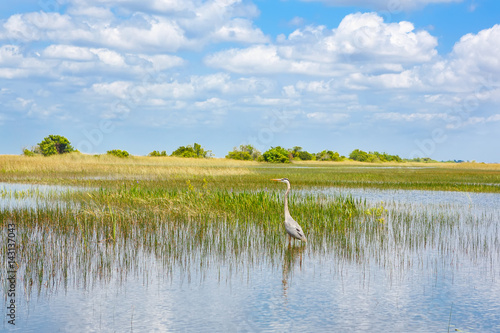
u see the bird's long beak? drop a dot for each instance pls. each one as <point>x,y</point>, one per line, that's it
<point>277,180</point>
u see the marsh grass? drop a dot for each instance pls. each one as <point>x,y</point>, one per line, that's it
<point>172,172</point>
<point>191,215</point>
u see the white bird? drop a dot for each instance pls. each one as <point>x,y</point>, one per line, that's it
<point>292,227</point>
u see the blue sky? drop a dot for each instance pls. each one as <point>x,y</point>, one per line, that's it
<point>415,78</point>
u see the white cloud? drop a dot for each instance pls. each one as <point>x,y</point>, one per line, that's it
<point>385,5</point>
<point>404,80</point>
<point>316,50</point>
<point>395,116</point>
<point>239,30</point>
<point>460,123</point>
<point>478,53</point>
<point>58,60</point>
<point>191,90</point>
<point>261,59</point>
<point>35,26</point>
<point>473,67</point>
<point>68,52</point>
<point>212,103</point>
<point>118,89</point>
<point>14,65</point>
<point>327,118</point>
<point>147,27</point>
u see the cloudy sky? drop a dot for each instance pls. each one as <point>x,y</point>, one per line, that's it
<point>417,78</point>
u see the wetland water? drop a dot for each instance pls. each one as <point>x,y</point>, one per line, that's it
<point>421,278</point>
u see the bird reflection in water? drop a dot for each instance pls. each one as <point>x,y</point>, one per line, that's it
<point>291,257</point>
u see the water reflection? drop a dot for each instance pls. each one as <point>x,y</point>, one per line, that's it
<point>34,196</point>
<point>403,275</point>
<point>292,256</point>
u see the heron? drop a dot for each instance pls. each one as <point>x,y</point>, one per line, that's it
<point>292,227</point>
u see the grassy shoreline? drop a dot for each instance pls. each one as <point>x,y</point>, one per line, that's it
<point>225,212</point>
<point>174,172</point>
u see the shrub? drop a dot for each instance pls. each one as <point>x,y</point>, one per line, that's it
<point>277,155</point>
<point>328,155</point>
<point>359,155</point>
<point>362,156</point>
<point>244,152</point>
<point>239,155</point>
<point>54,144</point>
<point>156,153</point>
<point>118,153</point>
<point>27,152</point>
<point>195,151</point>
<point>300,154</point>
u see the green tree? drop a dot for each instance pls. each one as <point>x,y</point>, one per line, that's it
<point>359,155</point>
<point>305,156</point>
<point>118,153</point>
<point>373,156</point>
<point>328,155</point>
<point>195,151</point>
<point>156,153</point>
<point>298,153</point>
<point>277,155</point>
<point>55,144</point>
<point>239,155</point>
<point>244,152</point>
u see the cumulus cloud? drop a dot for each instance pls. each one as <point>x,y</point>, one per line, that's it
<point>385,5</point>
<point>58,60</point>
<point>148,27</point>
<point>316,50</point>
<point>395,116</point>
<point>126,50</point>
<point>327,118</point>
<point>472,66</point>
<point>191,89</point>
<point>13,64</point>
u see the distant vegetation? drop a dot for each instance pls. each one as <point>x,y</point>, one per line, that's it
<point>56,144</point>
<point>156,153</point>
<point>359,155</point>
<point>118,153</point>
<point>277,155</point>
<point>244,153</point>
<point>50,145</point>
<point>192,151</point>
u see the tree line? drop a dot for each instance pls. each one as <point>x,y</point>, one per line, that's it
<point>56,144</point>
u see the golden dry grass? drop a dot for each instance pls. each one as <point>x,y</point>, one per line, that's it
<point>137,166</point>
<point>89,170</point>
<point>467,165</point>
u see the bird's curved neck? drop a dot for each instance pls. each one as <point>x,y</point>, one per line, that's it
<point>287,213</point>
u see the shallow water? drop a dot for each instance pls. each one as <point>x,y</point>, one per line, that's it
<point>17,196</point>
<point>426,289</point>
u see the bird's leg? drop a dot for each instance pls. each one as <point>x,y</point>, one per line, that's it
<point>289,240</point>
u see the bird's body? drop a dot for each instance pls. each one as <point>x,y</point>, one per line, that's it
<point>292,227</point>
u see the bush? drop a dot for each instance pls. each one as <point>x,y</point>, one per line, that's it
<point>277,155</point>
<point>118,153</point>
<point>35,150</point>
<point>244,152</point>
<point>192,151</point>
<point>362,156</point>
<point>298,153</point>
<point>328,155</point>
<point>27,152</point>
<point>359,155</point>
<point>239,155</point>
<point>53,145</point>
<point>156,153</point>
<point>305,156</point>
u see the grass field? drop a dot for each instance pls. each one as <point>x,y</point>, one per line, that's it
<point>171,172</point>
<point>218,210</point>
